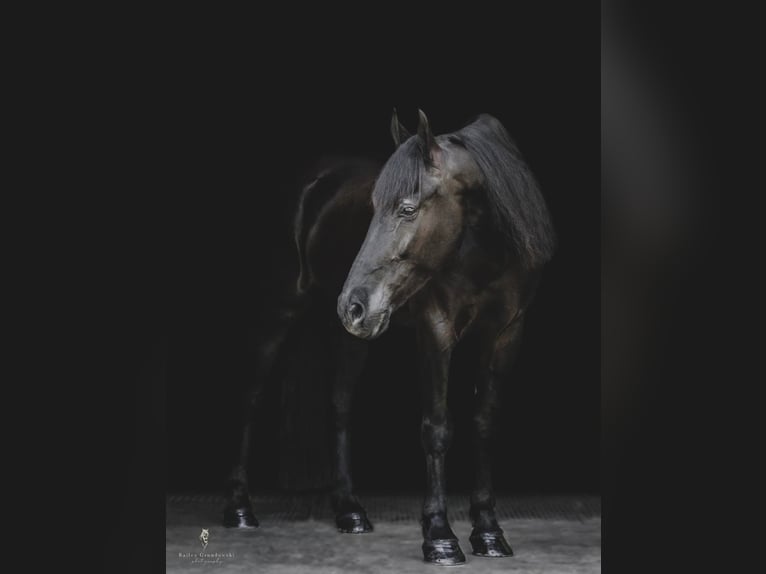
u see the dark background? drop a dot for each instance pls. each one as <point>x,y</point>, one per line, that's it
<point>231,257</point>
<point>162,128</point>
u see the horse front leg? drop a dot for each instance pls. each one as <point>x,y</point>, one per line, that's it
<point>440,545</point>
<point>487,537</point>
<point>350,516</point>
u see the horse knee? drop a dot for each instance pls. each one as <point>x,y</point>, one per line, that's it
<point>436,436</point>
<point>483,422</point>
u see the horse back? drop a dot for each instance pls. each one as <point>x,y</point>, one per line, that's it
<point>334,212</point>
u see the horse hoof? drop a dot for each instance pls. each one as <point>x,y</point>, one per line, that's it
<point>241,517</point>
<point>491,544</point>
<point>353,523</point>
<point>443,552</point>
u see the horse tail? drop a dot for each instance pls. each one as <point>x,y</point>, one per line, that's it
<point>314,196</point>
<point>310,350</point>
<point>309,353</point>
<point>305,453</point>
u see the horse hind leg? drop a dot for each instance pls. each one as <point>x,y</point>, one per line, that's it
<point>238,511</point>
<point>350,516</point>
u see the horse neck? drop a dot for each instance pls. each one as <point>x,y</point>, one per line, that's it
<point>483,253</point>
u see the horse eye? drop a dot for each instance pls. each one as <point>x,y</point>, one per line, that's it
<point>408,210</point>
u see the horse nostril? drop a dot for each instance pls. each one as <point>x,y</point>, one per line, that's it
<point>355,311</point>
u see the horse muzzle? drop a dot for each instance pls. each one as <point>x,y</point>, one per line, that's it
<point>354,313</point>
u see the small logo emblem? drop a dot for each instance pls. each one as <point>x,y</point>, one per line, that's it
<point>203,538</point>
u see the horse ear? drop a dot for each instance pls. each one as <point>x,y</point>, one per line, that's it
<point>424,130</point>
<point>427,137</point>
<point>398,131</point>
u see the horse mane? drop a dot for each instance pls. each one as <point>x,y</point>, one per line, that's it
<point>517,206</point>
<point>400,176</point>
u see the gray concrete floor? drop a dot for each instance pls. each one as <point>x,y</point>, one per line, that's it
<point>551,545</point>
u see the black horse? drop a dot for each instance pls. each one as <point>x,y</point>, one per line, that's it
<point>457,234</point>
